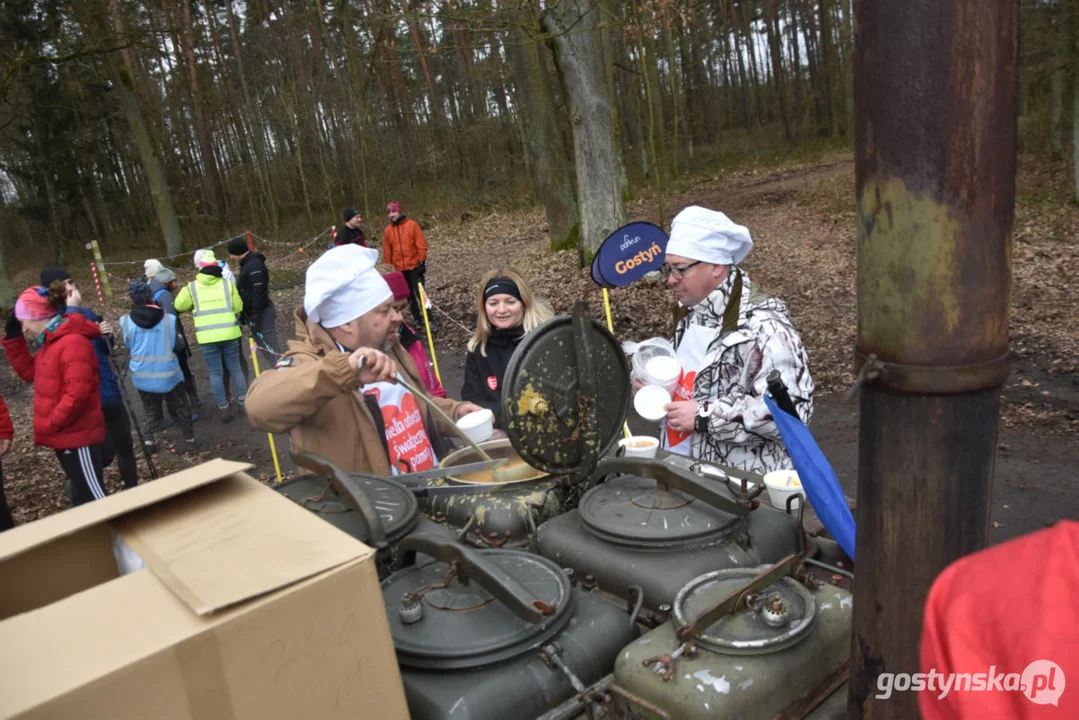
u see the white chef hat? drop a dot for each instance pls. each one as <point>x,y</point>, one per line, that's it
<point>707,235</point>
<point>343,285</point>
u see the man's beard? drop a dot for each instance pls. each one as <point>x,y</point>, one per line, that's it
<point>392,340</point>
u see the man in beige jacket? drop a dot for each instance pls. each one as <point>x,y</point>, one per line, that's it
<point>335,391</point>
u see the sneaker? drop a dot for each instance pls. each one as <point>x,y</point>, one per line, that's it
<point>226,413</point>
<point>150,447</point>
<point>190,446</point>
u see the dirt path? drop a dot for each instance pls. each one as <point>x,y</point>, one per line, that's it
<point>803,230</point>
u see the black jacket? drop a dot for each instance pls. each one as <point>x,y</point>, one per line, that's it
<point>483,372</point>
<point>348,236</point>
<point>253,284</point>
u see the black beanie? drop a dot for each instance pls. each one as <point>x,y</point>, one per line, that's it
<point>237,246</point>
<point>501,286</point>
<point>350,213</point>
<point>51,275</point>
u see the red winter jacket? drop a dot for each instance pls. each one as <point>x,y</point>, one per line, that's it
<point>67,403</point>
<point>7,430</point>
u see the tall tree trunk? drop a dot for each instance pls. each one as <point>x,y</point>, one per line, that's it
<point>421,56</point>
<point>796,66</point>
<point>751,46</point>
<point>551,157</point>
<point>1059,60</point>
<point>8,294</point>
<point>580,62</point>
<point>829,66</point>
<point>118,67</point>
<point>206,144</point>
<point>771,22</point>
<point>743,81</point>
<point>847,69</point>
<point>1074,31</point>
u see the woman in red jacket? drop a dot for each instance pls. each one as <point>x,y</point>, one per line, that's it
<point>63,369</point>
<point>7,432</point>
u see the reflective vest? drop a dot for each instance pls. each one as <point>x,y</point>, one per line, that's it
<point>215,318</point>
<point>154,367</point>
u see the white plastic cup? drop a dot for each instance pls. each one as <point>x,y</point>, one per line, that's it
<point>642,446</point>
<point>478,426</point>
<point>663,371</point>
<point>781,485</point>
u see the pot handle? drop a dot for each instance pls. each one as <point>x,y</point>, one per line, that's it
<point>472,565</point>
<point>350,490</point>
<point>673,477</point>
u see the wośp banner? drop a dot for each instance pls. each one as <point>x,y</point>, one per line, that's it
<point>628,254</point>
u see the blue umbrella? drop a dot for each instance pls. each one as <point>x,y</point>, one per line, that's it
<point>817,477</point>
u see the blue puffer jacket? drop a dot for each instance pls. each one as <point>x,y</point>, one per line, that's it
<point>110,388</point>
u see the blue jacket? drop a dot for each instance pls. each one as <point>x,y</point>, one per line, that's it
<point>110,388</point>
<point>150,334</point>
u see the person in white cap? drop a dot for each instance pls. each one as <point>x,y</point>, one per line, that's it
<point>731,339</point>
<point>335,391</point>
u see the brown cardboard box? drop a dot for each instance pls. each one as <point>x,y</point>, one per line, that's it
<point>248,607</point>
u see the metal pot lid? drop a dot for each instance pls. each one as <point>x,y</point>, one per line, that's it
<point>396,506</point>
<point>464,626</point>
<point>777,618</point>
<point>565,398</point>
<point>630,510</point>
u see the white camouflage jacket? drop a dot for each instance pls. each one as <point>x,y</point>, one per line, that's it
<point>733,377</point>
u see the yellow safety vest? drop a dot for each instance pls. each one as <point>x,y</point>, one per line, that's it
<point>215,318</point>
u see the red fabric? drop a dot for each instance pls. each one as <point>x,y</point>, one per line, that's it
<point>427,370</point>
<point>1005,608</point>
<point>398,284</point>
<point>64,370</point>
<point>7,430</point>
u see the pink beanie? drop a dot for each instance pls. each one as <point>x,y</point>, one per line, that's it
<point>398,284</point>
<point>33,304</point>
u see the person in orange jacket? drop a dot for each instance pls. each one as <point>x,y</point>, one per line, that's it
<point>405,248</point>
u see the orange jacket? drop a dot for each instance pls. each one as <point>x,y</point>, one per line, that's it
<point>403,245</point>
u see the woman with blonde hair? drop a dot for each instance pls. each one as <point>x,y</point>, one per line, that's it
<point>507,310</point>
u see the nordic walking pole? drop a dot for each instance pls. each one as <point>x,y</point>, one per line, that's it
<point>273,447</point>
<point>427,325</point>
<point>131,413</point>
<point>610,328</point>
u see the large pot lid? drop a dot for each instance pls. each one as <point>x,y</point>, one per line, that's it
<point>565,395</point>
<point>396,506</point>
<point>780,616</point>
<point>630,510</point>
<point>453,625</point>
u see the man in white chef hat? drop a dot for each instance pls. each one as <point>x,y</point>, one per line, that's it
<point>732,337</point>
<point>335,390</point>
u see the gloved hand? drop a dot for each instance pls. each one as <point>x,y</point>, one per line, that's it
<point>13,328</point>
<point>422,267</point>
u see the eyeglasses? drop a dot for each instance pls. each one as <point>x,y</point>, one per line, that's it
<point>678,272</point>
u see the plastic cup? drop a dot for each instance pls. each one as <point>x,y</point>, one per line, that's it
<point>478,426</point>
<point>642,446</point>
<point>781,485</point>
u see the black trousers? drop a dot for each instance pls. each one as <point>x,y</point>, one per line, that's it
<point>118,444</point>
<point>6,521</point>
<point>83,467</point>
<point>179,411</point>
<point>414,277</point>
<point>189,378</point>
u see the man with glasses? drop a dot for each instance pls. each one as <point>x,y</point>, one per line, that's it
<point>731,338</point>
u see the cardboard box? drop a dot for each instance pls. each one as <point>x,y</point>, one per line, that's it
<point>248,607</point>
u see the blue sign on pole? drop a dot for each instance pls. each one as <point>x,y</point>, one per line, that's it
<point>629,253</point>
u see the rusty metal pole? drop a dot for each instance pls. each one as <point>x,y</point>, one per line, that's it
<point>935,85</point>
